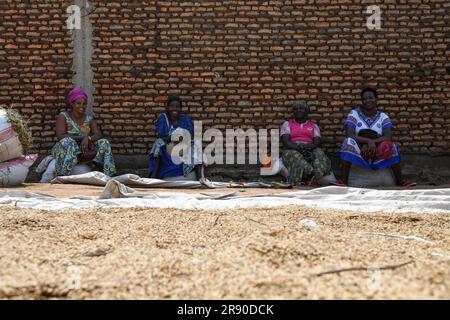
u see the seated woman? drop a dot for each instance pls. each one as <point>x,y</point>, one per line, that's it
<point>161,162</point>
<point>368,142</point>
<point>303,157</point>
<point>80,139</point>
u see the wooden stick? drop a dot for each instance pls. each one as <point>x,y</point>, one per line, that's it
<point>381,234</point>
<point>256,221</point>
<point>394,266</point>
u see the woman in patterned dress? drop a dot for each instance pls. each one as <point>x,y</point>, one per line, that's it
<point>80,139</point>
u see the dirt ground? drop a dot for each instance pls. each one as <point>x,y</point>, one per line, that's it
<point>237,254</point>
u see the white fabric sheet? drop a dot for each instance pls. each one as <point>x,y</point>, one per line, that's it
<point>117,194</point>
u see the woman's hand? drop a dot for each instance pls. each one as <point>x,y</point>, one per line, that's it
<point>369,150</point>
<point>309,146</point>
<point>305,147</point>
<point>364,152</point>
<point>91,145</point>
<point>84,146</point>
<point>372,149</point>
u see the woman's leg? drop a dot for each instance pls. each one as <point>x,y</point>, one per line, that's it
<point>65,152</point>
<point>345,170</point>
<point>196,158</point>
<point>397,170</point>
<point>297,166</point>
<point>104,157</point>
<point>155,171</point>
<point>321,163</point>
<point>396,167</point>
<point>350,153</point>
<point>199,171</point>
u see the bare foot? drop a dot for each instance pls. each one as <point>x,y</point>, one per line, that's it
<point>206,182</point>
<point>314,182</point>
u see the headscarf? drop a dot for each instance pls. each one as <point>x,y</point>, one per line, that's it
<point>172,99</point>
<point>301,103</point>
<point>74,95</point>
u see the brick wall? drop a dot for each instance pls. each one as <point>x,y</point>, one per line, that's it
<point>235,64</point>
<point>35,63</point>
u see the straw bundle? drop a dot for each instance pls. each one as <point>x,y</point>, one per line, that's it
<point>20,125</point>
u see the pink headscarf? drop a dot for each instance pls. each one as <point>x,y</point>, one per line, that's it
<point>74,95</point>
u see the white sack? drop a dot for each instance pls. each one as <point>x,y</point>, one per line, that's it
<point>14,172</point>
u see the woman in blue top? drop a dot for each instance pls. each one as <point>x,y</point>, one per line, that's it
<point>161,163</point>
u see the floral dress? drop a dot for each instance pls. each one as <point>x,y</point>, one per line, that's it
<point>301,165</point>
<point>67,150</point>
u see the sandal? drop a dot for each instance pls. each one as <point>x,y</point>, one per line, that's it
<point>409,184</point>
<point>284,185</point>
<point>314,182</point>
<point>339,183</point>
<point>207,183</point>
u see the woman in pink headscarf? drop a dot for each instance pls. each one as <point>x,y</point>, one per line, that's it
<point>80,140</point>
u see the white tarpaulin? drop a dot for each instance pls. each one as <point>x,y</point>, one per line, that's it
<point>99,179</point>
<point>117,194</point>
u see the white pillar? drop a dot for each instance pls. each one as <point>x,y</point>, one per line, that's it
<point>83,50</point>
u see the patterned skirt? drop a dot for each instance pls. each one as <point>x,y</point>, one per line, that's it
<point>302,166</point>
<point>66,153</point>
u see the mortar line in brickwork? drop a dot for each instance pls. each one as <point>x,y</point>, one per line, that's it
<point>83,51</point>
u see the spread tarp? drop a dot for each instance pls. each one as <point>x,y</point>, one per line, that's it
<point>119,192</point>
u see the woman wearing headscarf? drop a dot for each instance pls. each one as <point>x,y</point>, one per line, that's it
<point>368,143</point>
<point>169,124</point>
<point>303,158</point>
<point>80,139</point>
